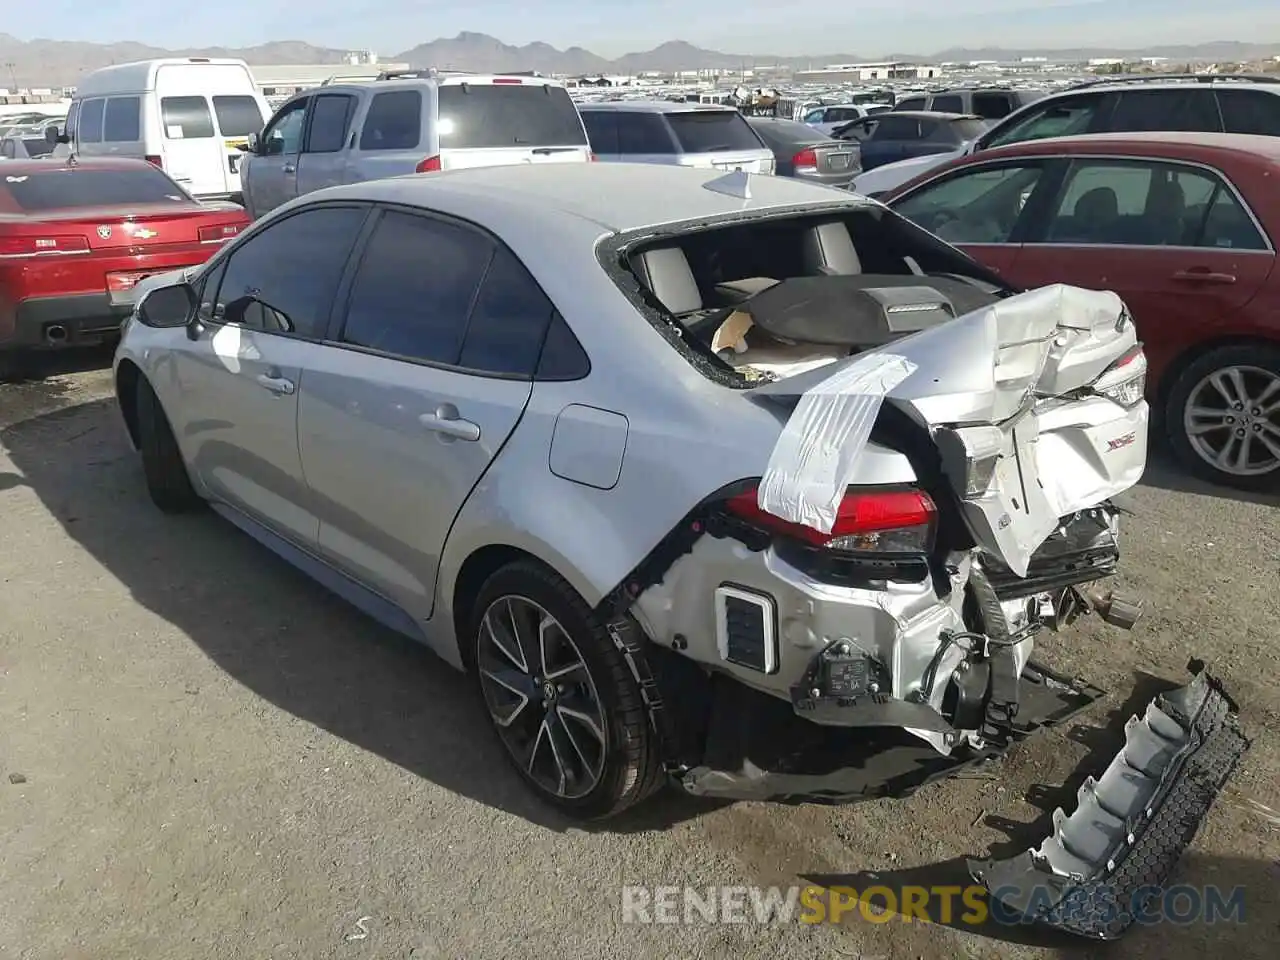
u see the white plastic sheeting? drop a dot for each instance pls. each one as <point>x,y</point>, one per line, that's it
<point>813,460</point>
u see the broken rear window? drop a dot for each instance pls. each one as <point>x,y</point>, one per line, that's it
<point>708,131</point>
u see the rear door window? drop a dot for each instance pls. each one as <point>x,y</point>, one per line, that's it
<point>992,106</point>
<point>706,131</point>
<point>1250,111</point>
<point>186,118</point>
<point>330,120</point>
<point>1173,109</point>
<point>489,115</point>
<point>91,121</point>
<point>66,188</point>
<point>237,116</point>
<point>1063,117</point>
<point>394,121</point>
<point>890,127</point>
<point>949,103</point>
<point>911,103</point>
<point>122,120</point>
<point>643,133</point>
<point>508,321</point>
<point>602,130</point>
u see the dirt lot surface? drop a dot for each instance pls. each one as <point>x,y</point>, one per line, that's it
<point>203,755</point>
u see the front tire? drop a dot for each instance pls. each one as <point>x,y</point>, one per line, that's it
<point>1223,416</point>
<point>560,696</point>
<point>168,482</point>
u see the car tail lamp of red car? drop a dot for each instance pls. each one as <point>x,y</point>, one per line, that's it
<point>219,233</point>
<point>806,161</point>
<point>879,523</point>
<point>22,247</point>
<point>429,165</point>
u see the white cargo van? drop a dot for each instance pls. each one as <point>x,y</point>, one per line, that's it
<point>188,116</point>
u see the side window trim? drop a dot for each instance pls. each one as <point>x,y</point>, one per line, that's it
<point>342,301</point>
<point>217,267</point>
<point>1052,198</point>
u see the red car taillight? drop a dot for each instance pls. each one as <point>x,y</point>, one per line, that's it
<point>156,161</point>
<point>880,522</point>
<point>591,157</point>
<point>806,161</point>
<point>16,247</point>
<point>219,233</point>
<point>429,165</point>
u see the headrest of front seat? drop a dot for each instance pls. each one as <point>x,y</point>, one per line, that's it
<point>665,271</point>
<point>828,249</point>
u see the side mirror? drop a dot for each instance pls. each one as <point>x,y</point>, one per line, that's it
<point>171,306</point>
<point>253,145</point>
<point>52,135</point>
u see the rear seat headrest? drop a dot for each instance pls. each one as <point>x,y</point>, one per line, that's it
<point>828,249</point>
<point>665,271</point>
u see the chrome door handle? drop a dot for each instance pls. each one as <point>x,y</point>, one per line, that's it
<point>277,385</point>
<point>447,423</point>
<point>290,168</point>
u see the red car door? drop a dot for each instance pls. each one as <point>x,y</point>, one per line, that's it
<point>1173,241</point>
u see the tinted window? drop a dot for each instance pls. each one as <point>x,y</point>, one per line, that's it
<point>1180,109</point>
<point>122,121</point>
<point>1141,203</point>
<point>992,106</point>
<point>508,115</point>
<point>643,133</point>
<point>890,127</point>
<point>966,129</point>
<point>787,133</point>
<point>1228,225</point>
<point>237,116</point>
<point>950,103</point>
<point>1060,118</point>
<point>602,130</point>
<point>509,320</point>
<point>284,136</point>
<point>283,279</point>
<point>1250,111</point>
<point>330,118</point>
<point>413,292</point>
<point>91,121</point>
<point>64,188</point>
<point>979,206</point>
<point>839,114</point>
<point>704,131</point>
<point>72,115</point>
<point>37,148</point>
<point>186,118</point>
<point>911,103</point>
<point>562,356</point>
<point>394,121</point>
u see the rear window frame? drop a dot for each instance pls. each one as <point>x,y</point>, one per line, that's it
<point>447,101</point>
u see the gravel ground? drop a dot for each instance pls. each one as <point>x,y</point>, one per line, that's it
<point>215,758</point>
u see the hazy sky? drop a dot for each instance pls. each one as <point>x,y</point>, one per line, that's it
<point>612,27</point>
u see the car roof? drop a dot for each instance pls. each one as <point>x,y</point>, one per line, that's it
<point>655,106</point>
<point>1156,143</point>
<point>928,115</point>
<point>617,197</point>
<point>1155,81</point>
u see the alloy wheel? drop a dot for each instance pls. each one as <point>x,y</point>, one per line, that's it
<point>542,697</point>
<point>1232,420</point>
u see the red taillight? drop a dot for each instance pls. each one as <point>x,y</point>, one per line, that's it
<point>592,158</point>
<point>219,233</point>
<point>507,80</point>
<point>156,161</point>
<point>873,521</point>
<point>429,165</point>
<point>806,159</point>
<point>42,246</point>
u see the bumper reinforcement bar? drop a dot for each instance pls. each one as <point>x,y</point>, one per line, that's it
<point>1093,876</point>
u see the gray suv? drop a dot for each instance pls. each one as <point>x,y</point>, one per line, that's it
<point>684,134</point>
<point>347,133</point>
<point>991,104</point>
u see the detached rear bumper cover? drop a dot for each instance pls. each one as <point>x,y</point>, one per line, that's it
<point>1131,825</point>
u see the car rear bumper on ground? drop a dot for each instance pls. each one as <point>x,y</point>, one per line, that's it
<point>77,319</point>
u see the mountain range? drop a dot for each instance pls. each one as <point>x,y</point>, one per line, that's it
<point>39,63</point>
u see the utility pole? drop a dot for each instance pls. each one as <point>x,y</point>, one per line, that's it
<point>13,74</point>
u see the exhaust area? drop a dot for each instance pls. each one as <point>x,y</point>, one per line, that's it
<point>55,334</point>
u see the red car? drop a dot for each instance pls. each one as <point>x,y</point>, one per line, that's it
<point>1184,227</point>
<point>77,235</point>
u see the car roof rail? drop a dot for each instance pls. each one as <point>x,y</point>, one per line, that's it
<point>1121,80</point>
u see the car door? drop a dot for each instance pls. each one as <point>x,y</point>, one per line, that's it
<point>984,209</point>
<point>888,140</point>
<point>264,307</point>
<point>272,172</point>
<point>324,157</point>
<point>438,342</point>
<point>1175,241</point>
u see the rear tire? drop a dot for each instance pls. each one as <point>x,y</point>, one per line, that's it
<point>560,696</point>
<point>168,482</point>
<point>1224,402</point>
